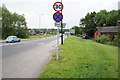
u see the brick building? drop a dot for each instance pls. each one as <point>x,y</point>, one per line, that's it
<point>32,32</point>
<point>110,32</point>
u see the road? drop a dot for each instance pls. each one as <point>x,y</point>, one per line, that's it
<point>27,58</point>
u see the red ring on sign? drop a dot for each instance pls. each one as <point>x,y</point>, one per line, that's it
<point>58,16</point>
<point>60,3</point>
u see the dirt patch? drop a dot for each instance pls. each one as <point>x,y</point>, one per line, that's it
<point>60,58</point>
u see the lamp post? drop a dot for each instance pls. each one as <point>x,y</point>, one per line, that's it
<point>40,22</point>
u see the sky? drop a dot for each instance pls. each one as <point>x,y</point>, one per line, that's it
<point>39,13</point>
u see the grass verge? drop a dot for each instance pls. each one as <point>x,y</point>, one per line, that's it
<point>84,59</point>
<point>36,36</point>
<point>2,39</point>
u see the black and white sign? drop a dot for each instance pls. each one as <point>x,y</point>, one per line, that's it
<point>58,6</point>
<point>72,31</point>
<point>58,24</point>
<point>64,24</point>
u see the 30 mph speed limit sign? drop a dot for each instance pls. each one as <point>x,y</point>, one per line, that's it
<point>58,6</point>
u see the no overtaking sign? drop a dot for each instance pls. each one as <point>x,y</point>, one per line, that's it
<point>58,6</point>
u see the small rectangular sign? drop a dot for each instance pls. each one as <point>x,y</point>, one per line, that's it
<point>64,24</point>
<point>58,24</point>
<point>72,31</point>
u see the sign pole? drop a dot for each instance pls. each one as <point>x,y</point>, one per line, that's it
<point>57,16</point>
<point>57,53</point>
<point>61,33</point>
<point>61,30</point>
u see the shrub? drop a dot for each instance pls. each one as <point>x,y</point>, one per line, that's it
<point>103,39</point>
<point>81,35</point>
<point>116,41</point>
<point>78,35</point>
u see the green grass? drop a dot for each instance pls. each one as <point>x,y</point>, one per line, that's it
<point>33,37</point>
<point>36,36</point>
<point>2,39</point>
<point>85,59</point>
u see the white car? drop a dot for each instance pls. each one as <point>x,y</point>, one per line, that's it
<point>12,39</point>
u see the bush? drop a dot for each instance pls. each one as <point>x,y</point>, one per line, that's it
<point>102,39</point>
<point>81,35</point>
<point>116,41</point>
<point>78,35</point>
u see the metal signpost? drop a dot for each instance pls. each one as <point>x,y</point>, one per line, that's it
<point>57,17</point>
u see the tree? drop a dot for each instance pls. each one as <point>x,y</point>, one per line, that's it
<point>89,23</point>
<point>82,30</point>
<point>102,18</point>
<point>13,24</point>
<point>112,17</point>
<point>77,29</point>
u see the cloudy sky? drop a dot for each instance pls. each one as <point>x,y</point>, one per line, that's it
<point>39,13</point>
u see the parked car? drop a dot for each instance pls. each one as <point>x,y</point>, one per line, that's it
<point>85,37</point>
<point>12,39</point>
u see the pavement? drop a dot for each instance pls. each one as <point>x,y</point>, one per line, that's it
<point>27,58</point>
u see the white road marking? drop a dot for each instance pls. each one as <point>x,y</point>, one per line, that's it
<point>41,43</point>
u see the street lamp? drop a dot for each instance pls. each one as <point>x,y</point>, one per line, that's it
<point>40,22</point>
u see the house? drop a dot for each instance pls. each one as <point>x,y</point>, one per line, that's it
<point>110,32</point>
<point>32,32</point>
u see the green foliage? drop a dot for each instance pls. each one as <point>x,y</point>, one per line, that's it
<point>13,24</point>
<point>116,41</point>
<point>108,18</point>
<point>77,30</point>
<point>84,59</point>
<point>78,35</point>
<point>89,23</point>
<point>102,18</point>
<point>105,40</point>
<point>112,17</point>
<point>102,39</point>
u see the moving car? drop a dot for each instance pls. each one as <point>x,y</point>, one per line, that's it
<point>12,39</point>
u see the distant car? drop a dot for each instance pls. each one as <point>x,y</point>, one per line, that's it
<point>12,39</point>
<point>85,37</point>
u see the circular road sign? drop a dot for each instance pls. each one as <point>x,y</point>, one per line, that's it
<point>58,6</point>
<point>57,16</point>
